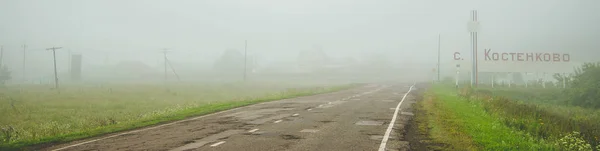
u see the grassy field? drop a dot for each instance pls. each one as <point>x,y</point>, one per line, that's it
<point>506,119</point>
<point>37,114</point>
<point>542,113</point>
<point>462,124</point>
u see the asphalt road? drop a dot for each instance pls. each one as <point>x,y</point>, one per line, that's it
<point>355,119</point>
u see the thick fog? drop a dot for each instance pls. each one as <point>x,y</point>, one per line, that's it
<point>130,34</point>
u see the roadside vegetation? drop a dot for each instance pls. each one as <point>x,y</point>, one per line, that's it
<point>38,115</point>
<point>515,118</point>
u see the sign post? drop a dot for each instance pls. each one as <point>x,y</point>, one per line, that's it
<point>564,79</point>
<point>543,82</point>
<point>457,74</point>
<point>510,80</point>
<point>493,80</point>
<point>526,81</point>
<point>473,27</point>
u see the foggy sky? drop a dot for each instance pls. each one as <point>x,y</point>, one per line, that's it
<point>276,30</point>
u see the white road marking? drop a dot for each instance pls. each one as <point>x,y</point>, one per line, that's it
<point>389,129</point>
<point>295,114</point>
<point>277,121</point>
<point>253,130</point>
<point>217,144</point>
<point>149,128</point>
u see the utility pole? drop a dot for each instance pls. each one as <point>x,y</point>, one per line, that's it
<point>55,73</point>
<point>24,61</point>
<point>70,58</point>
<point>245,58</point>
<point>173,69</point>
<point>438,63</point>
<point>165,50</point>
<point>1,56</point>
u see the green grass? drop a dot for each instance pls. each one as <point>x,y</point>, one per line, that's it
<point>464,124</point>
<point>531,112</point>
<point>36,115</point>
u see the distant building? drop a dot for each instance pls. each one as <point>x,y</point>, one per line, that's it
<point>232,63</point>
<point>314,59</point>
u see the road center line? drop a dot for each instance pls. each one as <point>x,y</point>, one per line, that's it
<point>217,144</point>
<point>389,129</point>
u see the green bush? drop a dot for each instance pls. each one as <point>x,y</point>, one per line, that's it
<point>585,87</point>
<point>573,142</point>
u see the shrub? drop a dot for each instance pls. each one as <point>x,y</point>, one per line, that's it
<point>573,142</point>
<point>585,87</point>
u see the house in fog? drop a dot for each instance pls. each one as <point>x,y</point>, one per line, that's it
<point>231,63</point>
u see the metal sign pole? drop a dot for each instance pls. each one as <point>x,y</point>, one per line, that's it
<point>510,80</point>
<point>543,82</point>
<point>564,81</point>
<point>493,80</point>
<point>473,28</point>
<point>457,74</point>
<point>526,81</point>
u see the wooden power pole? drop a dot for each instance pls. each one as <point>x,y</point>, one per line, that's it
<point>55,73</point>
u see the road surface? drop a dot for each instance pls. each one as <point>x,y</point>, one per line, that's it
<point>354,119</point>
